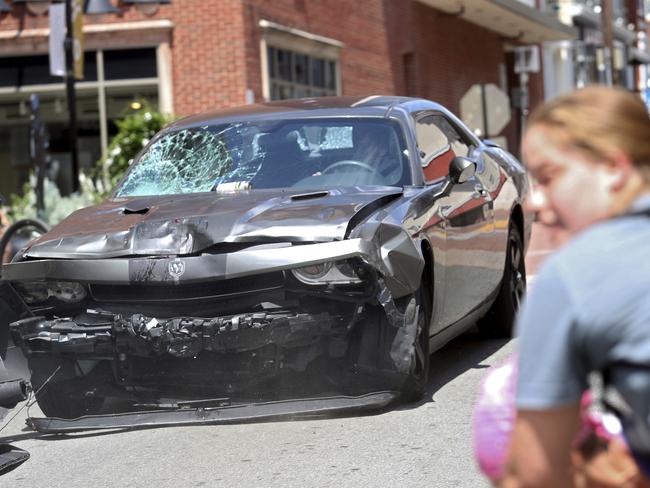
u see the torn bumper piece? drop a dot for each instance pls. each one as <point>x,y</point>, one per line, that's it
<point>218,415</point>
<point>11,457</point>
<point>185,337</point>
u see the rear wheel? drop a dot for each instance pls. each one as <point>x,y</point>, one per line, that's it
<point>498,323</point>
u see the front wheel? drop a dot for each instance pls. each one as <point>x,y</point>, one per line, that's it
<point>416,383</point>
<point>65,394</point>
<point>499,321</point>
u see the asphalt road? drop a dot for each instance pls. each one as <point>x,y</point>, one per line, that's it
<point>427,444</point>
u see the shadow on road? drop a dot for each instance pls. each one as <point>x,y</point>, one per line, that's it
<point>468,351</point>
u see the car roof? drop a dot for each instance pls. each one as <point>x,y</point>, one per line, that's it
<point>370,106</point>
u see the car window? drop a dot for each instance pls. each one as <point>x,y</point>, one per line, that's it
<point>315,153</point>
<point>186,161</point>
<point>438,143</point>
<point>337,138</point>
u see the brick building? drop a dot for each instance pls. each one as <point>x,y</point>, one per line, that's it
<point>198,55</point>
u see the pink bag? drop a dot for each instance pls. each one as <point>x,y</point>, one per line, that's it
<point>494,417</point>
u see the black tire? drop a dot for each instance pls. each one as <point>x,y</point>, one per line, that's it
<point>499,321</point>
<point>63,396</point>
<point>418,378</point>
<point>37,226</point>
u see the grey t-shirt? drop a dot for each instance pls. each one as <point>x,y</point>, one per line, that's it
<point>589,307</point>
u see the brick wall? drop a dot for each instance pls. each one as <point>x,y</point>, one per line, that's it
<point>365,65</point>
<point>450,54</point>
<point>441,56</point>
<point>208,50</point>
<point>22,19</point>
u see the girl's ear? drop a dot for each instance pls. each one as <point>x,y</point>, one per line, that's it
<point>621,169</point>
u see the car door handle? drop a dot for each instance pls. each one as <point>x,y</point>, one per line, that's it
<point>445,210</point>
<point>479,191</point>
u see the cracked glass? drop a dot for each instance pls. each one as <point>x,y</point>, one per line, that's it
<point>315,153</point>
<point>185,161</point>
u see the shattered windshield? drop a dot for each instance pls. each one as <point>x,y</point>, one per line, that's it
<point>313,153</point>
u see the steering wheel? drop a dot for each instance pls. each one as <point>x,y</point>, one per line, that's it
<point>350,162</point>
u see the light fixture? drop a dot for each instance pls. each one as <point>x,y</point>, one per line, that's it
<point>4,7</point>
<point>147,7</point>
<point>100,7</point>
<point>135,105</point>
<point>38,7</point>
<point>22,108</point>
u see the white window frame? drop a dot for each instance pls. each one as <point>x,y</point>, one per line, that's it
<point>102,37</point>
<point>298,41</point>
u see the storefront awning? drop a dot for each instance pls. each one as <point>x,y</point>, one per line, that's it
<point>510,18</point>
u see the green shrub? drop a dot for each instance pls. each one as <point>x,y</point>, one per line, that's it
<point>56,207</point>
<point>135,130</point>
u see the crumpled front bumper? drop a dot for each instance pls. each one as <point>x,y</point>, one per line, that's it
<point>184,337</point>
<point>294,409</point>
<point>144,350</point>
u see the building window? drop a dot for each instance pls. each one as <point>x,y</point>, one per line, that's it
<point>127,64</point>
<point>102,97</point>
<point>295,75</point>
<point>124,64</point>
<point>298,64</point>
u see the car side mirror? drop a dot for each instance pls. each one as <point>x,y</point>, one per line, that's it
<point>461,169</point>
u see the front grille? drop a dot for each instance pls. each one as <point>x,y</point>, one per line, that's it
<point>195,291</point>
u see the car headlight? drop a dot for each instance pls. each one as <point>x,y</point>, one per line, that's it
<point>40,291</point>
<point>339,272</point>
<point>32,292</point>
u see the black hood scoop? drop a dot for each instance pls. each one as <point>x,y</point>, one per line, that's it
<point>136,210</point>
<point>309,196</point>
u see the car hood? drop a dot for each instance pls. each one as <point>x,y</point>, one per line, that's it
<point>184,224</point>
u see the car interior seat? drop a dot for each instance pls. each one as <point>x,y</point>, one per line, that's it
<point>281,161</point>
<point>377,146</point>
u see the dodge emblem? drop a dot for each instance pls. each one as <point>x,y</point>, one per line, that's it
<point>176,268</point>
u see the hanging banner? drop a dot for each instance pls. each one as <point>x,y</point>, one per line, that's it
<point>57,39</point>
<point>78,38</point>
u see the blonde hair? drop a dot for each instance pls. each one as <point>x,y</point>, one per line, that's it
<point>599,120</point>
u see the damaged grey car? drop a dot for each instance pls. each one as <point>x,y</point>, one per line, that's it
<point>280,258</point>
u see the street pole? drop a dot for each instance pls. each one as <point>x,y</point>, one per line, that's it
<point>486,129</point>
<point>523,104</point>
<point>70,93</point>
<point>37,151</point>
<point>608,40</point>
